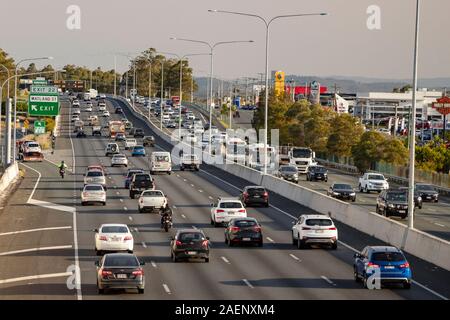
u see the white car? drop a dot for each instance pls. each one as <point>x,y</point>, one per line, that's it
<point>151,200</point>
<point>226,209</point>
<point>96,177</point>
<point>119,160</point>
<point>75,117</point>
<point>76,111</point>
<point>75,103</point>
<point>130,143</point>
<point>314,229</point>
<point>113,237</point>
<point>102,107</point>
<point>102,96</point>
<point>32,147</point>
<point>106,113</point>
<point>190,116</point>
<point>88,108</point>
<point>93,193</point>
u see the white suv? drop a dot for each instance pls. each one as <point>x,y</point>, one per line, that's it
<point>314,229</point>
<point>226,209</point>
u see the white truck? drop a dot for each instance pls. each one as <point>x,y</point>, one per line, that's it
<point>130,143</point>
<point>190,161</point>
<point>302,158</point>
<point>372,182</point>
<point>152,200</point>
<point>93,93</point>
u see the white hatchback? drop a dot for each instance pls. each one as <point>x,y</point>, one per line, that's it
<point>226,209</point>
<point>93,193</point>
<point>314,229</point>
<point>113,237</point>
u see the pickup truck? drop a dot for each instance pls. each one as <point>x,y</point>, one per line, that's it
<point>190,161</point>
<point>152,200</point>
<point>372,182</point>
<point>130,143</point>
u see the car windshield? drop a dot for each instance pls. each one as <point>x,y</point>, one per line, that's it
<point>119,156</point>
<point>230,205</point>
<point>388,256</point>
<point>93,188</point>
<point>319,169</point>
<point>121,261</point>
<point>425,187</point>
<point>375,177</point>
<point>245,223</point>
<point>318,222</point>
<point>397,196</point>
<point>162,158</point>
<point>342,187</point>
<point>301,153</point>
<point>152,194</point>
<point>114,229</point>
<point>94,174</point>
<point>143,177</point>
<point>138,148</point>
<point>191,236</point>
<point>130,173</point>
<point>288,169</point>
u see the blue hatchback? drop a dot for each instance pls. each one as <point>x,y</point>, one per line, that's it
<point>388,262</point>
<point>138,151</point>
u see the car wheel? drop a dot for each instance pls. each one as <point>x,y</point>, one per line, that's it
<point>407,285</point>
<point>300,244</point>
<point>354,199</point>
<point>377,209</point>
<point>230,243</point>
<point>174,258</point>
<point>141,291</point>
<point>98,252</point>
<point>360,188</point>
<point>83,203</point>
<point>131,195</point>
<point>266,205</point>
<point>226,240</point>
<point>100,291</point>
<point>364,280</point>
<point>260,243</point>
<point>182,168</point>
<point>152,172</point>
<point>139,210</point>
<point>355,275</point>
<point>385,213</point>
<point>366,190</point>
<point>294,241</point>
<point>420,206</point>
<point>212,222</point>
<point>130,251</point>
<point>207,260</point>
<point>334,246</point>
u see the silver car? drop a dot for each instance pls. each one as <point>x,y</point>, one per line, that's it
<point>96,177</point>
<point>119,160</point>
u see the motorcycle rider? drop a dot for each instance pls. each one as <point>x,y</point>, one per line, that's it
<point>62,166</point>
<point>166,213</point>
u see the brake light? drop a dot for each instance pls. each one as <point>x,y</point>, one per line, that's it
<point>128,238</point>
<point>220,211</point>
<point>235,229</point>
<point>178,243</point>
<point>373,265</point>
<point>404,265</point>
<point>138,272</point>
<point>106,273</point>
<point>332,228</point>
<point>266,194</point>
<point>205,243</point>
<point>257,229</point>
<point>103,238</point>
<point>241,211</point>
<point>245,194</point>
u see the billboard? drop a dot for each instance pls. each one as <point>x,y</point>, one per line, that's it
<point>279,82</point>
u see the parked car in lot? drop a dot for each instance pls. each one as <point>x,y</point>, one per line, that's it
<point>119,160</point>
<point>148,141</point>
<point>315,173</point>
<point>243,231</point>
<point>418,201</point>
<point>389,262</point>
<point>288,173</point>
<point>343,191</point>
<point>314,229</point>
<point>189,244</point>
<point>427,192</point>
<point>93,193</point>
<point>120,271</point>
<point>139,183</point>
<point>152,200</point>
<point>226,209</point>
<point>113,238</point>
<point>138,151</point>
<point>393,203</point>
<point>129,176</point>
<point>251,195</point>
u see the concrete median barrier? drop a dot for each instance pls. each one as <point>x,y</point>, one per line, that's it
<point>9,176</point>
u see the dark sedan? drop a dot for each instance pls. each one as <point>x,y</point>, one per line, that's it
<point>120,271</point>
<point>315,173</point>
<point>243,231</point>
<point>417,198</point>
<point>427,192</point>
<point>189,244</point>
<point>342,191</point>
<point>255,195</point>
<point>81,134</point>
<point>288,173</point>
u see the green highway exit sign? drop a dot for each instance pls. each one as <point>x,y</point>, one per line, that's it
<point>43,101</point>
<point>39,127</point>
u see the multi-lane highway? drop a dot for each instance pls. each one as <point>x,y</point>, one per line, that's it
<point>45,233</point>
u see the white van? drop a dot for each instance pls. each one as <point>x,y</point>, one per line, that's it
<point>160,162</point>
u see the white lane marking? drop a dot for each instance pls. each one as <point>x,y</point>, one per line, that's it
<point>178,175</point>
<point>194,227</point>
<point>440,225</point>
<point>153,264</point>
<point>432,210</point>
<point>118,193</point>
<point>40,276</point>
<point>225,260</point>
<point>184,180</point>
<point>200,190</point>
<point>136,230</point>
<point>174,207</point>
<point>294,257</point>
<point>210,197</point>
<point>328,280</point>
<point>373,212</point>
<point>166,288</point>
<point>35,230</point>
<point>130,218</point>
<point>271,240</point>
<point>248,283</point>
<point>51,205</point>
<point>125,208</point>
<point>362,200</point>
<point>144,245</point>
<point>192,185</point>
<point>121,200</point>
<point>7,253</point>
<point>429,290</point>
<point>37,181</point>
<point>183,216</point>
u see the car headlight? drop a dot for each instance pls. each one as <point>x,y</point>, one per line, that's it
<point>419,198</point>
<point>335,193</point>
<point>352,194</point>
<point>390,205</point>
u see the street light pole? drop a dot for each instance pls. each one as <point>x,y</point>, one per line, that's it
<point>149,89</point>
<point>1,98</point>
<point>266,89</point>
<point>115,67</point>
<point>412,130</point>
<point>162,94</point>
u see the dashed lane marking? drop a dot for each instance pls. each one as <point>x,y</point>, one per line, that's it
<point>153,264</point>
<point>7,253</point>
<point>269,239</point>
<point>226,260</point>
<point>130,218</point>
<point>34,230</point>
<point>248,283</point>
<point>328,280</point>
<point>144,245</point>
<point>294,257</point>
<point>166,288</point>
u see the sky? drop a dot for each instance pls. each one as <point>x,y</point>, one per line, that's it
<point>337,44</point>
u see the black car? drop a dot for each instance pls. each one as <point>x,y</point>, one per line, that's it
<point>81,134</point>
<point>288,173</point>
<point>417,198</point>
<point>120,137</point>
<point>138,133</point>
<point>139,183</point>
<point>148,141</point>
<point>131,131</point>
<point>119,110</point>
<point>255,195</point>
<point>315,173</point>
<point>120,271</point>
<point>393,203</point>
<point>243,230</point>
<point>427,192</point>
<point>189,243</point>
<point>342,191</point>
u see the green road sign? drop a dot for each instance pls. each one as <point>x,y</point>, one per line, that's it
<point>39,127</point>
<point>40,82</point>
<point>43,101</point>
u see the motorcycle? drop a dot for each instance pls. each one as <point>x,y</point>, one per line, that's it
<point>167,224</point>
<point>62,172</point>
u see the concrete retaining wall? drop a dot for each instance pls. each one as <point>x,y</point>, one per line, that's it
<point>9,176</point>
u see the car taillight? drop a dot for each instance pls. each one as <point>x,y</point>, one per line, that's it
<point>404,265</point>
<point>235,229</point>
<point>138,272</point>
<point>265,194</point>
<point>178,243</point>
<point>128,238</point>
<point>332,228</point>
<point>241,211</point>
<point>220,211</point>
<point>373,265</point>
<point>257,229</point>
<point>205,243</point>
<point>306,228</point>
<point>103,238</point>
<point>106,273</point>
<point>245,194</point>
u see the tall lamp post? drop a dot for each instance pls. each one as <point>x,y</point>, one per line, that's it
<point>211,47</point>
<point>266,89</point>
<point>1,98</point>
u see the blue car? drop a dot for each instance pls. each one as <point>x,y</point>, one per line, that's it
<point>129,176</point>
<point>138,151</point>
<point>389,261</point>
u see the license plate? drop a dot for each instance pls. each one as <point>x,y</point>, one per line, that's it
<point>389,267</point>
<point>401,211</point>
<point>191,252</point>
<point>257,196</point>
<point>115,239</point>
<point>231,212</point>
<point>428,197</point>
<point>246,239</point>
<point>121,276</point>
<point>319,231</point>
